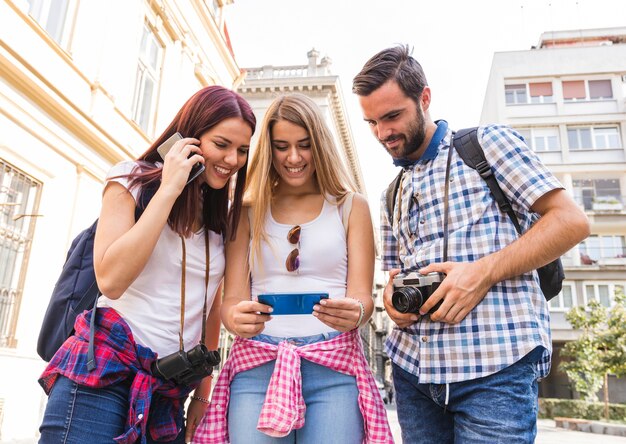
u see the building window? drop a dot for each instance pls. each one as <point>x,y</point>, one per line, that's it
<point>540,92</point>
<point>603,247</point>
<point>606,138</point>
<point>51,15</point>
<point>565,300</point>
<point>515,94</point>
<point>147,80</point>
<point>600,89</point>
<point>546,139</point>
<point>541,139</point>
<point>19,201</point>
<point>591,193</point>
<point>594,138</point>
<point>575,90</point>
<point>214,7</point>
<point>523,93</point>
<point>604,292</point>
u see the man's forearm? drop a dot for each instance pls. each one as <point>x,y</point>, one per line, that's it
<point>555,233</point>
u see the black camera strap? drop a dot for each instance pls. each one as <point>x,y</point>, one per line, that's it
<point>183,274</point>
<point>445,201</point>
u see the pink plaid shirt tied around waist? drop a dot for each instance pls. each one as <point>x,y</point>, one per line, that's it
<point>284,408</point>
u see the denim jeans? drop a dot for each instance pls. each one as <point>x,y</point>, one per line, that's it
<point>332,411</point>
<point>76,414</point>
<point>499,408</point>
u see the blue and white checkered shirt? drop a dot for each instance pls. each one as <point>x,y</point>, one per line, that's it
<point>513,318</point>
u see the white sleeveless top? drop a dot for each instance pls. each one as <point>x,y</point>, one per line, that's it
<point>151,304</point>
<point>323,267</point>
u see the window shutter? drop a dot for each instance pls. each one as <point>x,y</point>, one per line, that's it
<point>574,89</point>
<point>600,89</point>
<point>540,89</point>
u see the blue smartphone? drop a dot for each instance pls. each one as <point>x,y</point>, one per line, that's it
<point>292,303</point>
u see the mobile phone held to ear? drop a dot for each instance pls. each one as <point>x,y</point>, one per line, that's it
<point>292,303</point>
<point>164,148</point>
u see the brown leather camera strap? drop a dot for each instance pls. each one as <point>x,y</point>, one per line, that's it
<point>183,275</point>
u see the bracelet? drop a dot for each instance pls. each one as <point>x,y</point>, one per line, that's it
<point>200,398</point>
<point>361,315</point>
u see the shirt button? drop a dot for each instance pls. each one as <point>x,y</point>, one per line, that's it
<point>424,339</point>
<point>140,416</point>
<point>422,221</point>
<point>218,407</point>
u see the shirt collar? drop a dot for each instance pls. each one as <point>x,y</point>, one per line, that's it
<point>431,150</point>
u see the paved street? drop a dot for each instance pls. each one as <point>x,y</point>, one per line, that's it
<point>546,433</point>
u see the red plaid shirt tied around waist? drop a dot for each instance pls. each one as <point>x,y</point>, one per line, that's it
<point>119,358</point>
<point>284,408</point>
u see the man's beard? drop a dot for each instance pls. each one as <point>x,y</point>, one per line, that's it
<point>415,136</point>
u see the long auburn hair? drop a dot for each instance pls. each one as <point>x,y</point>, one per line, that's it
<point>202,111</point>
<point>332,176</point>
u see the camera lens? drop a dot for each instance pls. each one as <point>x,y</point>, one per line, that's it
<point>407,299</point>
<point>198,354</point>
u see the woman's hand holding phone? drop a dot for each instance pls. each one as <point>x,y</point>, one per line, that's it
<point>248,318</point>
<point>340,314</point>
<point>180,156</point>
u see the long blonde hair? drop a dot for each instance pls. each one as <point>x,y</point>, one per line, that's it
<point>331,174</point>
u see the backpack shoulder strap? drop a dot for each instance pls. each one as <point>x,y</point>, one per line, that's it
<point>391,193</point>
<point>467,145</point>
<point>146,194</point>
<point>346,207</point>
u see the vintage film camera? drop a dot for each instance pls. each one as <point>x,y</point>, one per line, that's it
<point>410,291</point>
<point>186,367</point>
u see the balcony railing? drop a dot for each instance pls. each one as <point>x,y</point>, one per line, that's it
<point>274,72</point>
<point>601,204</point>
<point>604,256</point>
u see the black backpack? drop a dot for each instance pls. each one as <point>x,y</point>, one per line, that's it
<point>76,289</point>
<point>467,145</point>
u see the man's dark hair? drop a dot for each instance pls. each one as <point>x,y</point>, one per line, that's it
<point>391,64</point>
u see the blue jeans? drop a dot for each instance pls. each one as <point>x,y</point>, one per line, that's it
<point>499,408</point>
<point>76,414</point>
<point>332,411</point>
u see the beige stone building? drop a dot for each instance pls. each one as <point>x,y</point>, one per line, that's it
<point>83,85</point>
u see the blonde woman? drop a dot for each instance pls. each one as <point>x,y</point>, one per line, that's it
<point>298,378</point>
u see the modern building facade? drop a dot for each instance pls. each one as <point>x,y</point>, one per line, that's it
<point>315,79</point>
<point>567,97</point>
<point>83,85</point>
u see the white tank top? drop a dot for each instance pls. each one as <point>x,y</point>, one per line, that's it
<point>151,304</point>
<point>323,267</point>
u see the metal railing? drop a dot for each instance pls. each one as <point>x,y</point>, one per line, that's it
<point>8,297</point>
<point>19,201</point>
<point>602,203</point>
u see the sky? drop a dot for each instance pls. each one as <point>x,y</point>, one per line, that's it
<point>454,41</point>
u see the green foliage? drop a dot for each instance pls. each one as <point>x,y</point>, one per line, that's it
<point>577,408</point>
<point>600,349</point>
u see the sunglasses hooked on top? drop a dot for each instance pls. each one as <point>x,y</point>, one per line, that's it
<point>293,259</point>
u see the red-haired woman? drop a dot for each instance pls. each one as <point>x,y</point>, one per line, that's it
<point>159,274</point>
